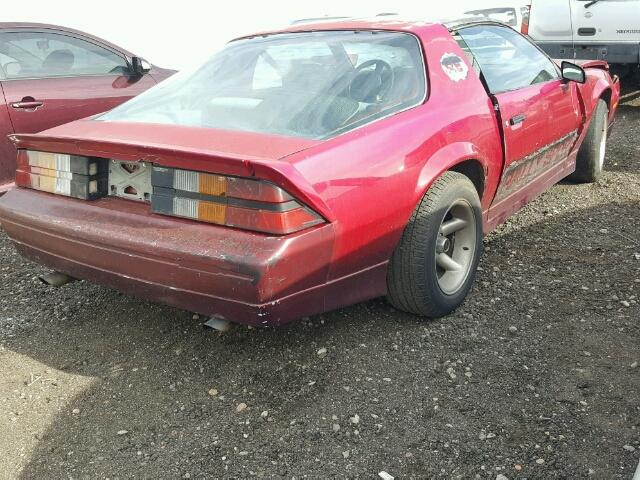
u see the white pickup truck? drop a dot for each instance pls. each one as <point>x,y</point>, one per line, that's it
<point>588,29</point>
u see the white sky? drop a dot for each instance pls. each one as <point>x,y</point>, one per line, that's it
<point>181,34</point>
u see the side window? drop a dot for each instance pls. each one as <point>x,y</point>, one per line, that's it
<point>467,51</point>
<point>44,55</point>
<point>507,59</point>
<point>7,65</point>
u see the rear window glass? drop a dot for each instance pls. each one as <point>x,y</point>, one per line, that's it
<point>314,84</point>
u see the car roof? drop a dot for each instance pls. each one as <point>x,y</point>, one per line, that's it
<point>376,23</point>
<point>387,22</point>
<point>48,26</point>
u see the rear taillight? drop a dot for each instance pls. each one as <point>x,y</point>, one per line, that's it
<point>236,202</point>
<point>526,17</point>
<point>243,203</point>
<point>69,175</point>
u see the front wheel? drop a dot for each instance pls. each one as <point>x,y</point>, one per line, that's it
<point>434,265</point>
<point>590,161</point>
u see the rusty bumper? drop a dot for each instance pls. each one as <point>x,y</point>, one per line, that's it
<point>242,276</point>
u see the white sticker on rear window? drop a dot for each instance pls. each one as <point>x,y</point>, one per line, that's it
<point>454,67</point>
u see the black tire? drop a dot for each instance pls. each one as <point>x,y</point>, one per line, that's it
<point>590,159</point>
<point>413,278</point>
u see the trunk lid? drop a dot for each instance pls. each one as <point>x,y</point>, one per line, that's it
<point>212,148</point>
<point>235,153</point>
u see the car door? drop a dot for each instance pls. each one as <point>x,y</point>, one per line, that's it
<point>6,147</point>
<point>539,112</point>
<point>54,77</point>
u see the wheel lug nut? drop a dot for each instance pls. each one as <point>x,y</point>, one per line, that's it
<point>443,244</point>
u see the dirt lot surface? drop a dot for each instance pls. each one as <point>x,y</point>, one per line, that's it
<point>535,377</point>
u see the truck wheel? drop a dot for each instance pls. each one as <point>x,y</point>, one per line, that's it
<point>434,265</point>
<point>592,151</point>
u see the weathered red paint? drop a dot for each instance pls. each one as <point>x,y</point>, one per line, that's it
<point>365,183</point>
<point>64,98</point>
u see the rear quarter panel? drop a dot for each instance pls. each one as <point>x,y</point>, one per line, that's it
<point>373,178</point>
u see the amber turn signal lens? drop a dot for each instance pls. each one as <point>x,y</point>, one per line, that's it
<point>235,202</point>
<point>62,174</point>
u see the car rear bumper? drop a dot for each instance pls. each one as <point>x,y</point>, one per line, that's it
<point>242,276</point>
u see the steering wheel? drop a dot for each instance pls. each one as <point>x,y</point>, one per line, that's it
<point>371,81</point>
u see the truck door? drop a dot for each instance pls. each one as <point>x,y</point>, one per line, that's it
<point>539,112</point>
<point>607,30</point>
<point>550,27</point>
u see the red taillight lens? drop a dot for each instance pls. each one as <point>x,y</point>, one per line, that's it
<point>235,202</point>
<point>526,17</point>
<point>69,175</point>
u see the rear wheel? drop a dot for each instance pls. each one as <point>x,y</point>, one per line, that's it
<point>590,161</point>
<point>433,267</point>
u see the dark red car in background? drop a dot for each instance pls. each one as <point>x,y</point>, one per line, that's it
<point>51,75</point>
<point>307,169</point>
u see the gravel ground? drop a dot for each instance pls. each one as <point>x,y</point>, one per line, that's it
<point>535,377</point>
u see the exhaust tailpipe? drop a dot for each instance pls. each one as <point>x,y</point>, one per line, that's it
<point>56,279</point>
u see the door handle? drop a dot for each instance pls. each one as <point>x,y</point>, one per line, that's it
<point>27,104</point>
<point>517,119</point>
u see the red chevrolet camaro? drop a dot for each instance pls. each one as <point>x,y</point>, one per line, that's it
<point>302,170</point>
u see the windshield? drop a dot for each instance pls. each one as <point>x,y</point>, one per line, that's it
<point>315,85</point>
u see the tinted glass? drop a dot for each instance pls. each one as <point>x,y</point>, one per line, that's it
<point>42,55</point>
<point>467,52</point>
<point>315,84</point>
<point>507,59</point>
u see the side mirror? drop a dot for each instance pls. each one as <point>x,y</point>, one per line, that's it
<point>573,73</point>
<point>139,66</point>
